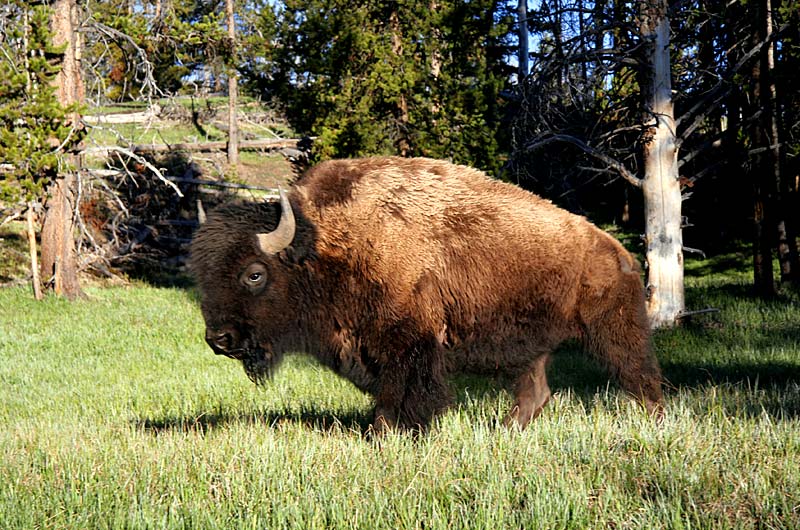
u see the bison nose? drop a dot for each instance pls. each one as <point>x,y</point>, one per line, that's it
<point>220,341</point>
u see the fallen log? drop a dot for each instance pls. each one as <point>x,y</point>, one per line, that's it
<point>272,143</point>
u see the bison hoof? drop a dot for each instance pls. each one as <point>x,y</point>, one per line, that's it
<point>381,425</point>
<point>655,409</point>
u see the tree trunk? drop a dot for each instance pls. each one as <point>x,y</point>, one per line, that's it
<point>436,47</point>
<point>763,273</point>
<point>59,259</point>
<point>233,89</point>
<point>59,268</point>
<point>764,220</point>
<point>522,32</point>
<point>661,185</point>
<point>37,286</point>
<point>403,145</point>
<point>558,39</point>
<point>786,247</point>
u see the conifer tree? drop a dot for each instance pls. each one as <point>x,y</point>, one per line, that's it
<point>417,78</point>
<point>34,127</point>
<point>37,129</point>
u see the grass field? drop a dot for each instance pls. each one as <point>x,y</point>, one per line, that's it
<point>114,414</point>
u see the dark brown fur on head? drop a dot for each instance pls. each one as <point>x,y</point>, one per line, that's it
<point>402,271</point>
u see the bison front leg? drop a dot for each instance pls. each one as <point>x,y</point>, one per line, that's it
<point>620,341</point>
<point>412,389</point>
<point>531,393</point>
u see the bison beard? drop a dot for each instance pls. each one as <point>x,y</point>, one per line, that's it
<point>257,365</point>
<point>397,272</point>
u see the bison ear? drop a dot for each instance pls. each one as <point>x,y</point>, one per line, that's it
<point>291,256</point>
<point>270,243</point>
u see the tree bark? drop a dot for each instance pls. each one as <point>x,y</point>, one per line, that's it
<point>522,32</point>
<point>661,184</point>
<point>233,89</point>
<point>764,219</point>
<point>403,145</point>
<point>786,247</point>
<point>59,267</point>
<point>37,286</point>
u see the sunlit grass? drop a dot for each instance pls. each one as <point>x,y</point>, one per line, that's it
<point>114,414</point>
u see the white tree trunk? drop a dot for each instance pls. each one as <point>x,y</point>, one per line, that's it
<point>661,185</point>
<point>233,89</point>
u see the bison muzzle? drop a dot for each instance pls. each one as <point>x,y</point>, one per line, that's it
<point>397,272</point>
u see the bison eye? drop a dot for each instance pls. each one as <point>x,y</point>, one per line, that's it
<point>254,277</point>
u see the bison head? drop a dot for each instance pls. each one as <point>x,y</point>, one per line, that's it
<point>243,280</point>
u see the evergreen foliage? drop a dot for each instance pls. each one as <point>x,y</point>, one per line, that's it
<point>151,52</point>
<point>415,77</point>
<point>34,127</point>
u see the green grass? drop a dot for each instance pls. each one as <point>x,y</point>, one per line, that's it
<point>172,132</point>
<point>14,252</point>
<point>138,133</point>
<point>114,414</point>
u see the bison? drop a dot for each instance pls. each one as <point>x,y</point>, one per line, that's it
<point>396,272</point>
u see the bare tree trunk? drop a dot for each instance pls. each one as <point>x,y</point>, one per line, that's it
<point>37,286</point>
<point>661,185</point>
<point>522,31</point>
<point>403,145</point>
<point>436,58</point>
<point>59,259</point>
<point>59,269</point>
<point>233,89</point>
<point>786,247</point>
<point>558,38</point>
<point>763,273</point>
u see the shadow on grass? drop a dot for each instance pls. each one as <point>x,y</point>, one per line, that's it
<point>709,353</point>
<point>352,421</point>
<point>755,389</point>
<point>722,264</point>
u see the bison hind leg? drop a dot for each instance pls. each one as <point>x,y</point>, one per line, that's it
<point>531,393</point>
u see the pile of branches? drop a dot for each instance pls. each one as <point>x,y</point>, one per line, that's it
<point>137,216</point>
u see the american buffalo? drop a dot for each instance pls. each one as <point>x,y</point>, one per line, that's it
<point>397,272</point>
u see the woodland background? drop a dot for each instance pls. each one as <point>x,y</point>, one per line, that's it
<point>120,119</point>
<point>551,95</point>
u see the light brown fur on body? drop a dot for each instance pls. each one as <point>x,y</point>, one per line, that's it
<point>404,270</point>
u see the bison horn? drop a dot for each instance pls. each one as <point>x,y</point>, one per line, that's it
<point>280,238</point>
<point>201,213</point>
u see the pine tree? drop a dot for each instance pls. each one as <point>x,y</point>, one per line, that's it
<point>416,78</point>
<point>34,127</point>
<point>37,129</point>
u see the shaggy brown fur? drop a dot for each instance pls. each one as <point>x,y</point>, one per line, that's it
<point>404,270</point>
